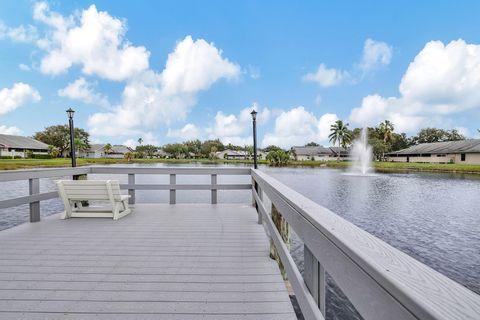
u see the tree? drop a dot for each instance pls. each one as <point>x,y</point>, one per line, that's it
<point>271,148</point>
<point>312,144</point>
<point>129,156</point>
<point>399,142</point>
<point>53,151</point>
<point>194,146</point>
<point>278,158</point>
<point>148,149</point>
<point>386,130</point>
<point>293,153</point>
<point>340,134</point>
<point>80,145</point>
<point>428,135</point>
<point>140,141</point>
<point>59,136</point>
<point>207,147</point>
<point>107,149</point>
<point>178,150</point>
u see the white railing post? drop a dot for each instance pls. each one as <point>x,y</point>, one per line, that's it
<point>131,192</point>
<point>214,189</point>
<point>314,276</point>
<point>173,181</point>
<point>260,196</point>
<point>34,188</point>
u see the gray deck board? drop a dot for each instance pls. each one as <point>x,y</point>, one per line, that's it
<point>161,262</point>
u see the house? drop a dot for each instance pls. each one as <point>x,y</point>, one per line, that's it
<point>232,154</point>
<point>239,155</point>
<point>319,153</point>
<point>19,146</point>
<point>98,151</point>
<point>162,154</point>
<point>464,151</point>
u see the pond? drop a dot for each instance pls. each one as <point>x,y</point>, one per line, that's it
<point>434,217</point>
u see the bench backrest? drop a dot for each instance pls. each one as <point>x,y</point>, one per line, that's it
<point>90,189</point>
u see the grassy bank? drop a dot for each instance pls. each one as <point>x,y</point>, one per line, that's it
<point>13,164</point>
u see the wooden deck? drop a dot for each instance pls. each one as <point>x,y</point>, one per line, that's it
<point>197,261</point>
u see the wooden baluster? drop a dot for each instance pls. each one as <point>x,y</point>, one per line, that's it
<point>284,229</point>
<point>131,192</point>
<point>34,188</point>
<point>173,181</point>
<point>214,190</point>
<point>314,276</point>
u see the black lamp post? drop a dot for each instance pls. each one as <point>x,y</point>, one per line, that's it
<point>254,118</point>
<point>70,113</point>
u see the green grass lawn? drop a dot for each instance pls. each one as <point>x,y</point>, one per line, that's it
<point>13,164</point>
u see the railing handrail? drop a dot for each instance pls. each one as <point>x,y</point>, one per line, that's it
<point>367,269</point>
<point>33,175</point>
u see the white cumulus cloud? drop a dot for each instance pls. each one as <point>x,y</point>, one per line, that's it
<point>84,91</point>
<point>188,132</point>
<point>147,138</point>
<point>152,98</point>
<point>20,94</point>
<point>237,129</point>
<point>18,34</point>
<point>442,80</point>
<point>375,54</point>
<point>297,126</point>
<point>327,77</point>
<point>195,66</point>
<point>10,130</point>
<point>92,39</point>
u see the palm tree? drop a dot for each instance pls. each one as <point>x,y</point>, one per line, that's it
<point>340,134</point>
<point>107,148</point>
<point>53,151</point>
<point>140,141</point>
<point>80,145</point>
<point>386,129</point>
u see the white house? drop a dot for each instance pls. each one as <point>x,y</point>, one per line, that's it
<point>19,146</point>
<point>98,151</point>
<point>463,151</point>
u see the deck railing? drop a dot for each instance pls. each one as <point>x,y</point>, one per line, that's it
<point>381,281</point>
<point>34,176</point>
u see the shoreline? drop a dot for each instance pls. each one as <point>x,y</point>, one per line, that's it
<point>15,164</point>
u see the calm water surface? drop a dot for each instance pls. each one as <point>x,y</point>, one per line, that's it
<point>433,217</point>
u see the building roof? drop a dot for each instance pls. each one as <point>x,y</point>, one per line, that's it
<point>462,146</point>
<point>339,150</point>
<point>312,151</point>
<point>115,148</point>
<point>20,142</point>
<point>232,153</point>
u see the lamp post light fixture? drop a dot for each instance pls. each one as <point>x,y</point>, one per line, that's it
<point>70,113</point>
<point>254,118</point>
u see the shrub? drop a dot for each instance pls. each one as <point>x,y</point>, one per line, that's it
<point>40,156</point>
<point>278,158</point>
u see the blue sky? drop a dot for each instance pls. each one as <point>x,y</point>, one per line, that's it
<point>170,71</point>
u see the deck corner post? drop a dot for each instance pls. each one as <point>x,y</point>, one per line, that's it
<point>314,276</point>
<point>173,182</point>
<point>214,188</point>
<point>284,229</point>
<point>34,188</point>
<point>131,192</point>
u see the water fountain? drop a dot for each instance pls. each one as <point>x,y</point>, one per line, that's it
<point>361,154</point>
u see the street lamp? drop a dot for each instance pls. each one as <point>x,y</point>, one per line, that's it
<point>70,113</point>
<point>254,118</point>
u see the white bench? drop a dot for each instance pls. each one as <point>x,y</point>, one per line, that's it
<point>74,192</point>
